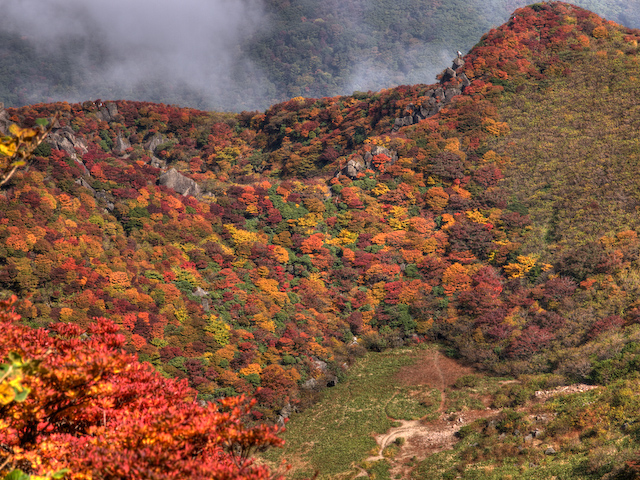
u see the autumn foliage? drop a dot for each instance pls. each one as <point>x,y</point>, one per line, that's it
<point>97,412</point>
<point>265,278</point>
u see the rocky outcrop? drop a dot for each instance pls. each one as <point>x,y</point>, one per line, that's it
<point>178,182</point>
<point>156,162</point>
<point>107,112</point>
<point>65,139</point>
<point>353,167</point>
<point>358,164</point>
<point>451,85</point>
<point>202,295</point>
<point>121,145</point>
<point>378,150</point>
<point>4,120</point>
<point>154,142</point>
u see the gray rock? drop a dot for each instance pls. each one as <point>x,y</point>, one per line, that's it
<point>107,112</point>
<point>465,80</point>
<point>4,120</point>
<point>156,162</point>
<point>377,150</point>
<point>178,182</point>
<point>82,182</point>
<point>121,145</point>
<point>200,292</point>
<point>457,63</point>
<point>528,438</point>
<point>550,451</point>
<point>106,199</point>
<point>65,139</point>
<point>319,364</point>
<point>310,384</point>
<point>452,92</point>
<point>352,168</point>
<point>155,141</point>
<point>448,74</point>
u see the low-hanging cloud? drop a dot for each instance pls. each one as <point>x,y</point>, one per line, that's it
<point>184,44</point>
<point>197,52</point>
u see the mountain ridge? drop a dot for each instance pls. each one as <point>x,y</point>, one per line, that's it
<point>326,228</point>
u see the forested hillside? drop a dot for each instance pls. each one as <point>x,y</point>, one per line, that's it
<point>494,211</point>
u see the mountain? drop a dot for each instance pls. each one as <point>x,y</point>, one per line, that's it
<point>242,56</point>
<point>493,211</point>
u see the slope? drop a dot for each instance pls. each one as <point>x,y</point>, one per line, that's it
<point>323,227</point>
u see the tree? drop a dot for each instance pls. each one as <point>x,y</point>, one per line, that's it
<point>97,411</point>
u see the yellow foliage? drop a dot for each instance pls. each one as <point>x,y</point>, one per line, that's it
<point>424,326</point>
<point>252,209</point>
<point>271,288</point>
<point>181,314</point>
<point>521,268</point>
<point>491,157</point>
<point>344,238</point>
<point>280,254</point>
<point>264,322</point>
<point>447,221</point>
<point>119,280</point>
<point>380,189</point>
<point>219,330</point>
<point>241,236</point>
<point>600,32</point>
<point>252,368</point>
<point>498,129</point>
<point>398,218</point>
<point>66,314</point>
<point>476,216</point>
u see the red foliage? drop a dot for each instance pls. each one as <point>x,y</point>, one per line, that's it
<point>97,411</point>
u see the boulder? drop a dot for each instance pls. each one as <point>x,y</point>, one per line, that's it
<point>452,92</point>
<point>83,183</point>
<point>178,182</point>
<point>465,80</point>
<point>155,141</point>
<point>447,75</point>
<point>352,168</point>
<point>121,145</point>
<point>457,63</point>
<point>65,139</point>
<point>310,384</point>
<point>106,199</point>
<point>107,112</point>
<point>156,162</point>
<point>4,120</point>
<point>377,150</point>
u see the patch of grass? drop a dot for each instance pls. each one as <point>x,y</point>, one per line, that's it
<point>413,403</point>
<point>336,434</point>
<point>459,400</point>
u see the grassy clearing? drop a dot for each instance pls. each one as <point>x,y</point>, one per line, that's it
<point>336,434</point>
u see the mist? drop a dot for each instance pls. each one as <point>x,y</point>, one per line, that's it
<point>240,54</point>
<point>183,47</point>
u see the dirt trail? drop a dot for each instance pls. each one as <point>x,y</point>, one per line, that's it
<point>424,438</point>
